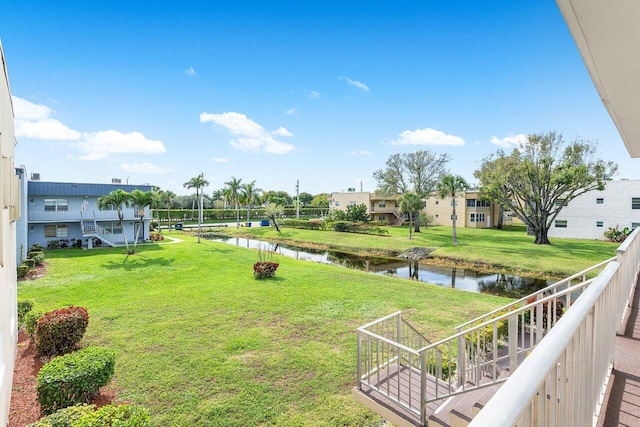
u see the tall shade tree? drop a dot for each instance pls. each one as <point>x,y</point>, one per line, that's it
<point>141,199</point>
<point>119,199</point>
<point>541,176</point>
<point>305,198</point>
<point>250,195</point>
<point>411,204</point>
<point>451,186</point>
<point>418,172</point>
<point>234,187</point>
<point>198,182</point>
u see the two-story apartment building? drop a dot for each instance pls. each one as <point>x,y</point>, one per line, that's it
<point>9,212</point>
<point>589,215</point>
<point>473,211</point>
<point>68,213</point>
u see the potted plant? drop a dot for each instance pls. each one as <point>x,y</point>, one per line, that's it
<point>265,267</point>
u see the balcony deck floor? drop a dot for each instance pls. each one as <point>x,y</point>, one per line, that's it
<point>623,406</point>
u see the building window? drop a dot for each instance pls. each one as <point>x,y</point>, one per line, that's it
<point>483,204</point>
<point>56,205</point>
<point>471,203</point>
<point>599,201</point>
<point>437,216</point>
<point>454,202</point>
<point>352,203</point>
<point>57,230</point>
<point>337,203</point>
<point>112,227</point>
<point>599,224</point>
<point>454,217</point>
<point>561,223</point>
<point>560,203</point>
<point>635,203</point>
<point>480,217</point>
<point>473,216</point>
<point>437,202</point>
<point>382,204</point>
<point>381,218</point>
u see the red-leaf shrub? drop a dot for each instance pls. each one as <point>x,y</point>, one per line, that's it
<point>58,331</point>
<point>262,270</point>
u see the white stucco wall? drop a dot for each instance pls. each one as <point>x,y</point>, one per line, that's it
<point>583,213</point>
<point>8,290</point>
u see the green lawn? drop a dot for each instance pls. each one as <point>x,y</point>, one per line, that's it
<point>509,248</point>
<point>200,342</point>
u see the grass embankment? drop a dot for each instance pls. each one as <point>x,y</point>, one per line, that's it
<point>200,342</point>
<point>508,249</point>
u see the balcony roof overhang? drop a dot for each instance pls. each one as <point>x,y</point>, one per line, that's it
<point>607,34</point>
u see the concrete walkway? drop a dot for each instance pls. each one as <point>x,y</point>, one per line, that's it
<point>623,407</point>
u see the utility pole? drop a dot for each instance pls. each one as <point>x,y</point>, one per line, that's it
<point>298,199</point>
<point>361,186</point>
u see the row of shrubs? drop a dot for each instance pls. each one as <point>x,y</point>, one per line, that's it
<point>69,381</point>
<point>342,226</point>
<point>230,214</point>
<point>35,256</point>
<point>64,243</point>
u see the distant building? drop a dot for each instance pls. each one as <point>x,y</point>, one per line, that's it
<point>68,213</point>
<point>589,215</point>
<point>470,209</point>
<point>9,213</point>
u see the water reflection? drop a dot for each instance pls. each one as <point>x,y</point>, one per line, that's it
<point>508,285</point>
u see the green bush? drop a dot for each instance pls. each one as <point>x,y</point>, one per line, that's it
<point>353,227</point>
<point>59,331</point>
<point>66,417</point>
<point>38,257</point>
<point>31,321</point>
<point>53,244</point>
<point>22,271</point>
<point>24,307</point>
<point>303,224</point>
<point>74,378</point>
<point>35,247</point>
<point>87,416</point>
<point>29,263</point>
<point>115,416</point>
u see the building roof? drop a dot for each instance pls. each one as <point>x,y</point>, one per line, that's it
<point>42,188</point>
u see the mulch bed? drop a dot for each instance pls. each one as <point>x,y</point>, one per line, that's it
<point>24,408</point>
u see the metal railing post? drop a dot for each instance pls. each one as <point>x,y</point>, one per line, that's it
<point>423,387</point>
<point>461,358</point>
<point>359,358</point>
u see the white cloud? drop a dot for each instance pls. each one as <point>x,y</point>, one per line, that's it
<point>99,145</point>
<point>282,132</point>
<point>314,94</point>
<point>146,168</point>
<point>355,83</point>
<point>291,112</point>
<point>220,159</point>
<point>361,153</point>
<point>190,72</point>
<point>33,121</point>
<point>427,136</point>
<point>512,141</point>
<point>253,138</point>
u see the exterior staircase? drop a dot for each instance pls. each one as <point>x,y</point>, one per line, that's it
<point>400,219</point>
<point>412,382</point>
<point>93,230</point>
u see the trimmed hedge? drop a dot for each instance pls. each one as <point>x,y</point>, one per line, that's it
<point>74,378</point>
<point>31,322</point>
<point>24,307</point>
<point>22,271</point>
<point>354,227</point>
<point>303,224</point>
<point>29,263</point>
<point>58,331</point>
<point>87,416</point>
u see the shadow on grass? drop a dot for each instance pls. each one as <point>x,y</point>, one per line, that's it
<point>132,262</point>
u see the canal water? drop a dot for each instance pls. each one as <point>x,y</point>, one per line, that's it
<point>509,285</point>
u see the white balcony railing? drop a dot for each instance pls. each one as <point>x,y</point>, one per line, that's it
<point>562,381</point>
<point>73,216</point>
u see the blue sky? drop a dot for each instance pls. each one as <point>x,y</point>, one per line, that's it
<point>275,91</point>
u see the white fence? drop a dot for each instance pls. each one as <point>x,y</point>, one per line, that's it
<point>562,381</point>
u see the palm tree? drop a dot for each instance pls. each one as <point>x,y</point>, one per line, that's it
<point>117,198</point>
<point>233,191</point>
<point>141,199</point>
<point>167,198</point>
<point>198,182</point>
<point>250,195</point>
<point>410,203</point>
<point>448,187</point>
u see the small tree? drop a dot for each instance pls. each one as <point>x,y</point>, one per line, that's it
<point>271,210</point>
<point>232,192</point>
<point>450,186</point>
<point>250,195</point>
<point>410,204</point>
<point>357,213</point>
